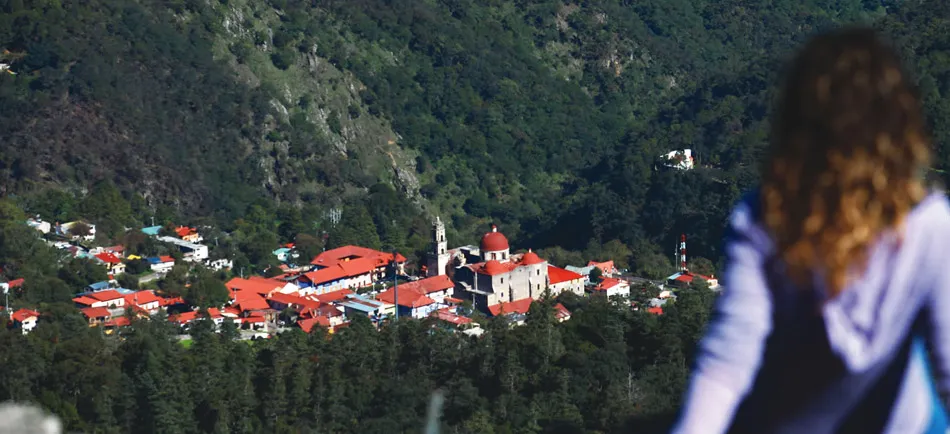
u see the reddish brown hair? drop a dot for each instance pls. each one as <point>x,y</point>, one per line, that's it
<point>848,145</point>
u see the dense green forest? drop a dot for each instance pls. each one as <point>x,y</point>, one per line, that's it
<point>257,119</point>
<point>543,116</point>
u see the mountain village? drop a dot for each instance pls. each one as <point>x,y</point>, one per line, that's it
<point>456,286</point>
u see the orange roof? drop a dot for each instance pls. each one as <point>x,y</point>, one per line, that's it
<point>517,306</point>
<point>24,314</point>
<point>494,267</point>
<point>307,324</point>
<point>258,285</point>
<point>16,282</point>
<point>291,299</point>
<point>410,297</point>
<point>214,313</point>
<point>82,299</point>
<point>121,321</point>
<point>96,312</point>
<point>606,266</point>
<point>171,301</point>
<point>607,284</point>
<point>184,231</point>
<point>107,295</point>
<point>348,253</point>
<point>428,285</point>
<point>453,300</point>
<point>334,295</point>
<point>248,300</point>
<point>449,317</point>
<point>109,258</point>
<point>656,310</point>
<point>142,297</point>
<point>558,275</point>
<point>184,317</point>
<point>493,241</point>
<point>325,275</point>
<point>561,312</point>
<point>531,258</point>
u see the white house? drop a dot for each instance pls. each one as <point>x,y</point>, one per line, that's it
<point>65,229</point>
<point>40,225</point>
<point>161,264</point>
<point>109,298</point>
<point>611,287</point>
<point>191,252</point>
<point>25,319</point>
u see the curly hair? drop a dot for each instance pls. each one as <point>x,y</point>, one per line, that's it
<point>848,149</point>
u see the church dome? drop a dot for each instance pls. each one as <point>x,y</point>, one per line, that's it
<point>494,267</point>
<point>531,258</point>
<point>494,241</point>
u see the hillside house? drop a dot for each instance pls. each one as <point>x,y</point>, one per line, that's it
<point>188,234</point>
<point>191,252</point>
<point>25,319</point>
<point>611,287</point>
<point>112,263</point>
<point>96,315</point>
<point>161,264</point>
<point>109,298</point>
<point>36,223</point>
<point>607,268</point>
<point>146,300</point>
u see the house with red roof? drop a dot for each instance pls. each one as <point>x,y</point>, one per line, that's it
<point>353,274</point>
<point>258,285</point>
<point>161,264</point>
<point>607,268</point>
<point>611,287</point>
<point>561,280</point>
<point>451,318</point>
<point>109,298</point>
<point>281,301</point>
<point>417,299</point>
<point>561,313</point>
<point>146,300</point>
<point>112,262</point>
<point>188,234</point>
<point>378,262</point>
<point>332,315</point>
<point>96,315</point>
<point>25,319</point>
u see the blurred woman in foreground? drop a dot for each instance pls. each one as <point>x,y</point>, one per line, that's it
<point>838,267</point>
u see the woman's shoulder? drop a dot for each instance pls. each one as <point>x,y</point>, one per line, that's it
<point>745,222</point>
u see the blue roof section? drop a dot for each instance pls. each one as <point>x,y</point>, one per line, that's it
<point>98,286</point>
<point>281,251</point>
<point>358,306</point>
<point>154,260</point>
<point>151,230</point>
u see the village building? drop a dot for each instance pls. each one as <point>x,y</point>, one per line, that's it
<point>25,319</point>
<point>611,287</point>
<point>490,274</point>
<point>685,278</point>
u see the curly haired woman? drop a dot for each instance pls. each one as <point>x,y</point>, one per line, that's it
<point>837,280</point>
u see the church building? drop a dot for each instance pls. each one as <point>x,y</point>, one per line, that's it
<point>488,274</point>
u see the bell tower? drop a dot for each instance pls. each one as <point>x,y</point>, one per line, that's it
<point>439,256</point>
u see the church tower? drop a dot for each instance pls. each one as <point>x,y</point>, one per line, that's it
<point>439,256</point>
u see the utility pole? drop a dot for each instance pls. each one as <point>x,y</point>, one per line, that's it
<point>153,220</point>
<point>395,285</point>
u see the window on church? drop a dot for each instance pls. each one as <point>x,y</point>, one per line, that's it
<point>502,280</point>
<point>539,272</point>
<point>504,256</point>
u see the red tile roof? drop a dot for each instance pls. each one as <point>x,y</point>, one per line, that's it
<point>558,275</point>
<point>171,301</point>
<point>249,300</point>
<point>86,301</point>
<point>517,306</point>
<point>109,258</point>
<point>428,285</point>
<point>16,283</point>
<point>342,254</point>
<point>656,310</point>
<point>531,258</point>
<point>606,266</point>
<point>165,259</point>
<point>453,300</point>
<point>326,275</point>
<point>105,296</point>
<point>257,285</point>
<point>493,241</point>
<point>607,284</point>
<point>332,296</point>
<point>561,312</point>
<point>184,231</point>
<point>184,317</point>
<point>493,267</point>
<point>293,300</point>
<point>24,314</point>
<point>411,298</point>
<point>142,297</point>
<point>307,324</point>
<point>96,312</point>
<point>121,321</point>
<point>449,317</point>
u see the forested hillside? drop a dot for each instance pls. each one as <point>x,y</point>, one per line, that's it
<point>259,120</point>
<point>543,116</point>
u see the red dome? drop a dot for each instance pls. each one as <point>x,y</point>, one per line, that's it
<point>494,267</point>
<point>494,241</point>
<point>531,258</point>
